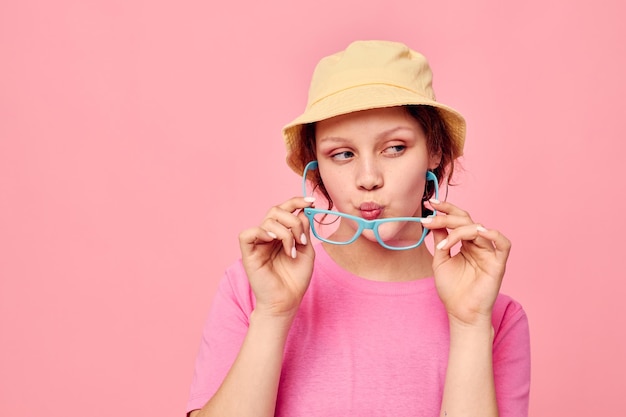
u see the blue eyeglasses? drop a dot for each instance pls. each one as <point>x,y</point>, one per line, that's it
<point>324,223</point>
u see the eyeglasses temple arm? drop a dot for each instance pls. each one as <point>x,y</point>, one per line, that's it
<point>309,166</point>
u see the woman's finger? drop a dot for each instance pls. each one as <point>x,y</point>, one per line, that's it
<point>280,233</point>
<point>446,221</point>
<point>283,223</point>
<point>479,236</point>
<point>448,208</point>
<point>501,244</point>
<point>440,237</point>
<point>250,238</point>
<point>295,203</point>
<point>287,228</point>
<point>289,221</point>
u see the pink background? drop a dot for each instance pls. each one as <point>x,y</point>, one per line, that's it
<point>137,138</point>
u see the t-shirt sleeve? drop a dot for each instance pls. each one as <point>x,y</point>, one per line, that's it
<point>511,358</point>
<point>222,336</point>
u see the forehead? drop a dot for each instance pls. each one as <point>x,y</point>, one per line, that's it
<point>367,122</point>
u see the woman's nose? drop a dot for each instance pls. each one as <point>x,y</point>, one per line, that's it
<point>369,176</point>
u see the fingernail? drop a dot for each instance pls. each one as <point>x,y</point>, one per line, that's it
<point>480,228</point>
<point>272,235</point>
<point>303,239</point>
<point>441,244</point>
<point>426,220</point>
<point>309,199</point>
<point>293,252</point>
<point>434,201</point>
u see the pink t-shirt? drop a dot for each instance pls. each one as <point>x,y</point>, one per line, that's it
<point>361,347</point>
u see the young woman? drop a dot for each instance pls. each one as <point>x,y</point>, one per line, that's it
<point>367,322</point>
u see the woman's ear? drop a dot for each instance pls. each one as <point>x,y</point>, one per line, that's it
<point>434,160</point>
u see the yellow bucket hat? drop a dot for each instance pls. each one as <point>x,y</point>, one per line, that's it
<point>368,75</point>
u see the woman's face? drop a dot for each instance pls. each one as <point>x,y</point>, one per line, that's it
<point>373,164</point>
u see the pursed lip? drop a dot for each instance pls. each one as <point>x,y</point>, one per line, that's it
<point>370,211</point>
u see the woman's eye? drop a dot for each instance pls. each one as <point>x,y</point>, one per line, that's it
<point>343,155</point>
<point>395,150</point>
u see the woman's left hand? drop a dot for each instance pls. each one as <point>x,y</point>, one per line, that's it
<point>468,282</point>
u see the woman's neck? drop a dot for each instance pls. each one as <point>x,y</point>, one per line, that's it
<point>371,261</point>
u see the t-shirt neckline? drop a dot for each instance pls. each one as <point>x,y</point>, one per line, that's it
<point>325,265</point>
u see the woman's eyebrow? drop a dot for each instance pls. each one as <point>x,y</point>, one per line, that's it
<point>336,139</point>
<point>393,130</point>
<point>384,133</point>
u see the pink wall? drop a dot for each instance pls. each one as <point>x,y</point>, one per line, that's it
<point>138,137</point>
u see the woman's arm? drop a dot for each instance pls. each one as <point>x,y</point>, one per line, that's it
<point>469,388</point>
<point>468,283</point>
<point>278,261</point>
<point>251,386</point>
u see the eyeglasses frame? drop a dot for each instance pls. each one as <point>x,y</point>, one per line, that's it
<point>364,224</point>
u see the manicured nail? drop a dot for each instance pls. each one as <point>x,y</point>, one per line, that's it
<point>303,239</point>
<point>441,244</point>
<point>434,201</point>
<point>309,199</point>
<point>426,220</point>
<point>293,252</point>
<point>480,228</point>
<point>272,235</point>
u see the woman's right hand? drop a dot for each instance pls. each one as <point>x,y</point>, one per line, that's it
<point>278,258</point>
